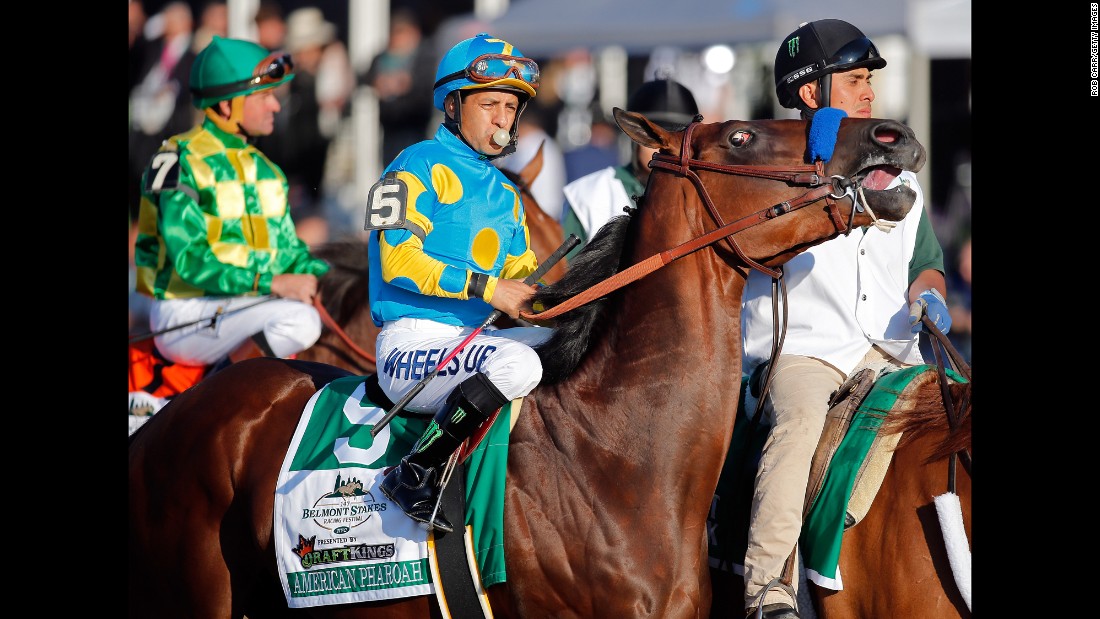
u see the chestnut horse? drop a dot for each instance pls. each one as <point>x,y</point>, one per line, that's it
<point>616,454</point>
<point>915,578</point>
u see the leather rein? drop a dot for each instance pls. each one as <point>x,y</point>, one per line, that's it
<point>953,409</point>
<point>331,324</point>
<point>831,189</point>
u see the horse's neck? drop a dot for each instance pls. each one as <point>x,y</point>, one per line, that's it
<point>641,428</point>
<point>666,367</point>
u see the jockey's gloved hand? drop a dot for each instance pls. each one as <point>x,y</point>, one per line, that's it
<point>929,303</point>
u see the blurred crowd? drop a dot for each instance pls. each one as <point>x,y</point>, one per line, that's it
<point>311,141</point>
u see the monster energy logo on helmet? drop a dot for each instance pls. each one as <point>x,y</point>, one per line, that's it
<point>792,47</point>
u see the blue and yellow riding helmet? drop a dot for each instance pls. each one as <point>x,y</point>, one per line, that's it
<point>484,61</point>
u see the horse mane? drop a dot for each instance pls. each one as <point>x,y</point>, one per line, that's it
<point>600,259</point>
<point>343,289</point>
<point>919,412</point>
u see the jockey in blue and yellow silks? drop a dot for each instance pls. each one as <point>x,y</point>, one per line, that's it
<point>449,243</point>
<point>464,228</point>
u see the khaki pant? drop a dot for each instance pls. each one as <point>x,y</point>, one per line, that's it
<point>796,405</point>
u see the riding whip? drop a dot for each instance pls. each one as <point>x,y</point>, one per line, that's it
<point>212,319</point>
<point>565,248</point>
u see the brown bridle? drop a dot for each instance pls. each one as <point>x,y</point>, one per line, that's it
<point>811,175</point>
<point>822,188</point>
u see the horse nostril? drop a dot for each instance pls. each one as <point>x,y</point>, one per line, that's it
<point>886,135</point>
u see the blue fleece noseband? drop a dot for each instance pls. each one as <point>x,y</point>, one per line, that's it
<point>823,130</point>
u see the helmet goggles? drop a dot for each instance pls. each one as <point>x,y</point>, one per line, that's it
<point>857,50</point>
<point>489,68</point>
<point>269,71</point>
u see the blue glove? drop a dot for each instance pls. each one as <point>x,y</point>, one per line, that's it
<point>929,303</point>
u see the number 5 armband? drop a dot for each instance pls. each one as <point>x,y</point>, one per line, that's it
<point>386,203</point>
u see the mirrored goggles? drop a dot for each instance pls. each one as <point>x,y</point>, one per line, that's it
<point>272,69</point>
<point>492,67</point>
<point>855,51</point>
<point>269,71</point>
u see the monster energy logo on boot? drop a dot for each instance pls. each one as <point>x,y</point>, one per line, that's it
<point>792,47</point>
<point>432,432</point>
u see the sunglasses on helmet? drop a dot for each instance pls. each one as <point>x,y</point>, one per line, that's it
<point>492,67</point>
<point>269,71</point>
<point>857,50</point>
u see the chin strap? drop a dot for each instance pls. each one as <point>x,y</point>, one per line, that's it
<point>236,114</point>
<point>826,82</point>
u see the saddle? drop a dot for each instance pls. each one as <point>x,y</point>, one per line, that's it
<point>842,408</point>
<point>388,554</point>
<point>730,520</point>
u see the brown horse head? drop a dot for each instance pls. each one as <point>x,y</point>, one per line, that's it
<point>764,164</point>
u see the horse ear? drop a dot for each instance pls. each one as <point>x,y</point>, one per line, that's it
<point>644,131</point>
<point>532,168</point>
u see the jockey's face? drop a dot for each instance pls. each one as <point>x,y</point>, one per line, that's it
<point>258,112</point>
<point>484,112</point>
<point>851,92</point>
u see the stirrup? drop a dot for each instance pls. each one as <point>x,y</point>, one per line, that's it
<point>420,501</point>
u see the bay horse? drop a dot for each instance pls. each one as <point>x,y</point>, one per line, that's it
<point>616,454</point>
<point>914,578</point>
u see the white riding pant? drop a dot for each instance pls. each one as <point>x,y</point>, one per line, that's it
<point>409,349</point>
<point>289,326</point>
<point>795,407</point>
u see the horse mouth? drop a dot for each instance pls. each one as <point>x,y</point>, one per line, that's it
<point>889,202</point>
<point>878,177</point>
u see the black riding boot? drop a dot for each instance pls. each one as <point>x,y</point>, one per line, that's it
<point>414,483</point>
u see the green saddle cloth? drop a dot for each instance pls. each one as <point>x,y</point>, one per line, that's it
<point>824,525</point>
<point>486,468</point>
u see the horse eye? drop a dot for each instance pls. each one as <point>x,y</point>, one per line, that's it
<point>740,138</point>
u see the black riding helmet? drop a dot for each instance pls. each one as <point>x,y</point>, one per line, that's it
<point>666,102</point>
<point>817,50</point>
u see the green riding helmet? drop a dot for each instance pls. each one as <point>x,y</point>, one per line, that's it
<point>230,68</point>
